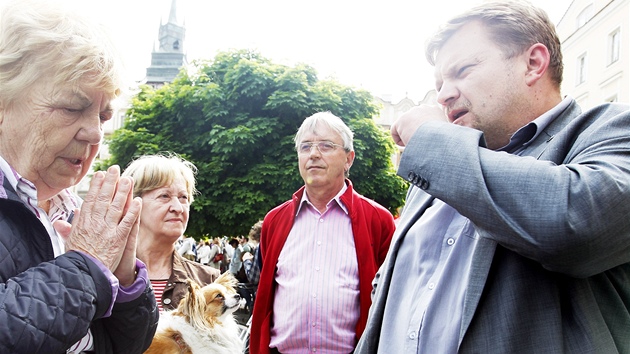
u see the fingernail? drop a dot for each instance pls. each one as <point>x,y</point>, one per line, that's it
<point>98,175</point>
<point>113,169</point>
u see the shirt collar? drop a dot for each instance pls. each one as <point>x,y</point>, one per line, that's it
<point>526,134</point>
<point>62,205</point>
<point>337,199</point>
<point>9,173</point>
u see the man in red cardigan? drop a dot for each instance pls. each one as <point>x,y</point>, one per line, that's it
<point>320,251</point>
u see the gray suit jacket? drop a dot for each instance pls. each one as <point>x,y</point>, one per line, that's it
<point>551,272</point>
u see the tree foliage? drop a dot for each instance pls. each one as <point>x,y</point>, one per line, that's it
<point>235,118</point>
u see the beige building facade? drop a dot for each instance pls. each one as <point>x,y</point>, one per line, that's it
<point>390,111</point>
<point>596,51</point>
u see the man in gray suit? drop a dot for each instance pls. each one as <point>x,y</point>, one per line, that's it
<point>515,237</point>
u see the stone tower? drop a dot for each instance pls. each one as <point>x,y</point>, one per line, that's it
<point>170,57</point>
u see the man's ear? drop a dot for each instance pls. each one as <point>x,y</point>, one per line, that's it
<point>349,161</point>
<point>538,61</point>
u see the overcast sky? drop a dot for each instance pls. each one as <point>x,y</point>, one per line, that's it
<point>375,45</point>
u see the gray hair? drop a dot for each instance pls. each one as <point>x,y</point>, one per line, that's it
<point>329,120</point>
<point>45,36</point>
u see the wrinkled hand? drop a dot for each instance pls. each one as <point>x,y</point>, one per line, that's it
<point>406,125</point>
<point>126,271</point>
<point>107,225</point>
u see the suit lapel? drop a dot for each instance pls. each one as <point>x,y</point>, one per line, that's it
<point>482,260</point>
<point>417,202</point>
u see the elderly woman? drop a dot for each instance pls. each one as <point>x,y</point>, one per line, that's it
<point>64,287</point>
<point>166,185</point>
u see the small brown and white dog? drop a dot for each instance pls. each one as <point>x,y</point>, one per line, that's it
<point>202,323</point>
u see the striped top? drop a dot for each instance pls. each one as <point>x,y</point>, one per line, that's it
<point>158,289</point>
<point>316,305</point>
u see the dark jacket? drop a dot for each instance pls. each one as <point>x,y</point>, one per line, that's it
<point>47,303</point>
<point>184,269</point>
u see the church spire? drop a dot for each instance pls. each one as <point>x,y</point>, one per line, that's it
<point>167,60</point>
<point>172,17</point>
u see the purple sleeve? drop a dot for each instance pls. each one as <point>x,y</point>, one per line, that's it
<point>132,292</point>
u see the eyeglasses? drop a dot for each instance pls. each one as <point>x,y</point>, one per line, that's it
<point>324,147</point>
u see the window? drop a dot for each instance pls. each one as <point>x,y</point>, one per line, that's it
<point>614,42</point>
<point>581,69</point>
<point>584,16</point>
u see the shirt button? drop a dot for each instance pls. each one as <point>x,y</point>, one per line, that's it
<point>167,301</point>
<point>313,324</point>
<point>412,335</point>
<point>320,220</point>
<point>431,286</point>
<point>317,269</point>
<point>314,349</point>
<point>319,243</point>
<point>314,295</point>
<point>450,241</point>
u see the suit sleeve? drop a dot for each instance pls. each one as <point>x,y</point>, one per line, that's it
<point>567,209</point>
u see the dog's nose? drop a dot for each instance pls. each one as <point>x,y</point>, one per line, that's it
<point>237,297</point>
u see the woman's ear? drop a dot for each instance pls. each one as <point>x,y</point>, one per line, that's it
<point>538,61</point>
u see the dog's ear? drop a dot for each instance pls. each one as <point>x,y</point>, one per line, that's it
<point>192,285</point>
<point>191,298</point>
<point>193,305</point>
<point>227,279</point>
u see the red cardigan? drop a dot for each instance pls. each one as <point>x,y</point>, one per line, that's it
<point>372,227</point>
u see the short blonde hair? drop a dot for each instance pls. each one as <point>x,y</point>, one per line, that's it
<point>150,172</point>
<point>45,36</point>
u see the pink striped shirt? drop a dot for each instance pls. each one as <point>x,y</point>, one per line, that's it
<point>316,306</point>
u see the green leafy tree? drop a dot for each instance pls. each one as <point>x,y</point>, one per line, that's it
<point>235,118</point>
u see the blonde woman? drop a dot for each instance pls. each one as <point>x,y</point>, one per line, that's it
<point>166,185</point>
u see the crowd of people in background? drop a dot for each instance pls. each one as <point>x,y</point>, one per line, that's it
<point>222,252</point>
<point>236,254</point>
